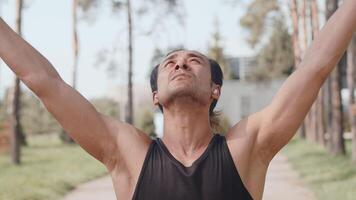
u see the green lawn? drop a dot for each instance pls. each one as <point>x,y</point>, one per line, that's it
<point>49,169</point>
<point>330,177</point>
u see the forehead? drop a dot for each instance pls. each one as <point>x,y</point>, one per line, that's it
<point>188,53</point>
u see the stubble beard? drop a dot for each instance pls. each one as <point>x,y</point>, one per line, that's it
<point>188,95</point>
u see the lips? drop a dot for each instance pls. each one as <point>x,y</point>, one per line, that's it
<point>178,75</point>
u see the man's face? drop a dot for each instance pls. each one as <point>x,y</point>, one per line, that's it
<point>184,74</point>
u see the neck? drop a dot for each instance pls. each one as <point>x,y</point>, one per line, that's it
<point>186,127</point>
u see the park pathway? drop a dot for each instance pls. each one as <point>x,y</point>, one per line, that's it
<point>282,183</point>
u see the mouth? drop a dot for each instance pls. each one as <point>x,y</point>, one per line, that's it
<point>180,75</point>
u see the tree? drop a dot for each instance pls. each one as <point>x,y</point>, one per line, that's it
<point>223,124</point>
<point>256,17</point>
<point>0,16</point>
<point>129,118</point>
<point>129,114</point>
<point>35,119</point>
<point>216,52</point>
<point>146,123</point>
<point>309,133</point>
<point>15,101</point>
<point>296,46</point>
<point>295,36</point>
<point>275,59</point>
<point>106,106</point>
<point>117,6</point>
<point>75,43</point>
<point>351,74</point>
<point>337,145</point>
<point>85,6</point>
<point>318,107</point>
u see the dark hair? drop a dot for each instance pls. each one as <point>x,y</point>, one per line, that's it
<point>216,77</point>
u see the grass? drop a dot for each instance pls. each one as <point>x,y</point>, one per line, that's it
<point>329,177</point>
<point>49,170</point>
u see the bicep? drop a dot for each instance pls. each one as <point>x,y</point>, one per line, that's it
<point>80,120</point>
<point>283,116</point>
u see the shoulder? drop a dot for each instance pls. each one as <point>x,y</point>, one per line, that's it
<point>131,144</point>
<point>243,142</point>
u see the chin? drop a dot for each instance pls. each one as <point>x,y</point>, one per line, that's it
<point>179,92</point>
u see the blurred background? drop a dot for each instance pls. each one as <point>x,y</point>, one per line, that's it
<point>106,50</point>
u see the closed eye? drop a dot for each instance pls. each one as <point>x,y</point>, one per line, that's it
<point>168,63</point>
<point>195,60</point>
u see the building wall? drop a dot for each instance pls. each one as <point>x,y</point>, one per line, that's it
<point>239,98</point>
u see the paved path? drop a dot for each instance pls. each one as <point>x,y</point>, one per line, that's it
<point>281,183</point>
<point>99,189</point>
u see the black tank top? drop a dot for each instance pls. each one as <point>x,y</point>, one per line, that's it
<point>213,176</point>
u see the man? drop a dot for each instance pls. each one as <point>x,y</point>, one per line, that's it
<point>189,162</point>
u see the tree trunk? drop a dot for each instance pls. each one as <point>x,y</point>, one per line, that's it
<point>296,47</point>
<point>351,74</point>
<point>129,107</point>
<point>303,17</point>
<point>331,7</point>
<point>64,136</point>
<point>337,140</point>
<point>308,121</point>
<point>317,108</point>
<point>338,119</point>
<point>15,102</point>
<point>328,109</point>
<point>75,44</point>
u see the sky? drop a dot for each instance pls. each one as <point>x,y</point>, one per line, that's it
<point>47,26</point>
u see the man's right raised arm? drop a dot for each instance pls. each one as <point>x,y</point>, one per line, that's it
<point>96,133</point>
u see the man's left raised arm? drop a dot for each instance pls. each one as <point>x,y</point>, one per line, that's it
<point>280,120</point>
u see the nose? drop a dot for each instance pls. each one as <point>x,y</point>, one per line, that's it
<point>181,64</point>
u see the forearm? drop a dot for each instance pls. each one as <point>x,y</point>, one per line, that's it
<point>25,61</point>
<point>332,41</point>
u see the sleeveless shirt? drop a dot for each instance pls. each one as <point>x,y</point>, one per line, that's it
<point>213,176</point>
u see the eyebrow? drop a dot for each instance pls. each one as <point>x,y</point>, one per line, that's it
<point>196,55</point>
<point>174,55</point>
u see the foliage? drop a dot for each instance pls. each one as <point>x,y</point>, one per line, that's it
<point>107,107</point>
<point>224,125</point>
<point>88,10</point>
<point>255,18</point>
<point>152,11</point>
<point>216,52</point>
<point>275,59</point>
<point>146,122</point>
<point>35,119</point>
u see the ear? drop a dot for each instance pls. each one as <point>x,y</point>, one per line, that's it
<point>155,98</point>
<point>216,89</point>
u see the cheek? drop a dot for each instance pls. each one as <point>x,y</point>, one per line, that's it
<point>205,78</point>
<point>161,83</point>
<point>204,83</point>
